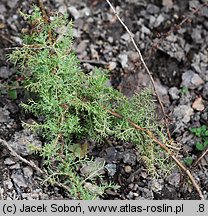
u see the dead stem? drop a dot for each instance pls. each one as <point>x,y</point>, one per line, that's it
<point>13,153</point>
<point>149,133</point>
<point>144,64</point>
<point>202,155</point>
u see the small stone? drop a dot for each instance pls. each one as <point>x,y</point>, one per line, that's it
<point>183,113</point>
<point>4,115</point>
<point>145,30</point>
<point>159,20</point>
<point>174,179</point>
<point>167,3</point>
<point>15,166</point>
<point>2,9</point>
<point>28,171</point>
<point>110,39</point>
<point>193,4</point>
<point>85,12</point>
<point>191,80</point>
<point>198,104</point>
<point>22,141</point>
<point>111,168</point>
<point>147,194</point>
<point>12,3</point>
<point>157,184</point>
<point>152,9</point>
<point>127,169</point>
<point>123,60</point>
<point>196,80</point>
<point>74,12</point>
<point>62,9</point>
<point>8,184</point>
<point>4,72</point>
<point>18,178</point>
<point>129,158</point>
<point>112,65</point>
<point>174,93</point>
<point>131,186</point>
<point>18,40</point>
<point>204,116</point>
<point>81,47</point>
<point>130,195</point>
<point>125,37</point>
<point>9,161</point>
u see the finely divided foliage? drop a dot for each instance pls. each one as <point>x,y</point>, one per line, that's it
<point>73,106</point>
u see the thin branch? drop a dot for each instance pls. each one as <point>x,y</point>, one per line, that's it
<point>144,64</point>
<point>149,133</point>
<point>203,154</point>
<point>13,153</point>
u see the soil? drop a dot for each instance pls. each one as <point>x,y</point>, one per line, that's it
<point>179,65</point>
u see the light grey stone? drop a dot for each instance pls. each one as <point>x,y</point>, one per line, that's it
<point>152,9</point>
<point>22,141</point>
<point>191,80</point>
<point>183,113</point>
<point>174,93</point>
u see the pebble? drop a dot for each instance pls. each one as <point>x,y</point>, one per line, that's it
<point>85,12</point>
<point>17,177</point>
<point>28,171</point>
<point>204,116</point>
<point>2,9</point>
<point>174,93</point>
<point>167,3</point>
<point>9,161</point>
<point>191,80</point>
<point>112,65</point>
<point>152,9</point>
<point>130,195</point>
<point>174,179</point>
<point>8,184</point>
<point>198,104</point>
<point>4,115</point>
<point>62,9</point>
<point>22,141</point>
<point>147,194</point>
<point>111,168</point>
<point>183,113</point>
<point>159,20</point>
<point>5,72</point>
<point>156,185</point>
<point>123,60</point>
<point>193,4</point>
<point>129,158</point>
<point>74,12</point>
<point>125,36</point>
<point>127,169</point>
<point>15,166</point>
<point>12,3</point>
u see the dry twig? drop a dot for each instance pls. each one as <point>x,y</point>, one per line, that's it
<point>149,133</point>
<point>144,64</point>
<point>13,153</point>
<point>199,159</point>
